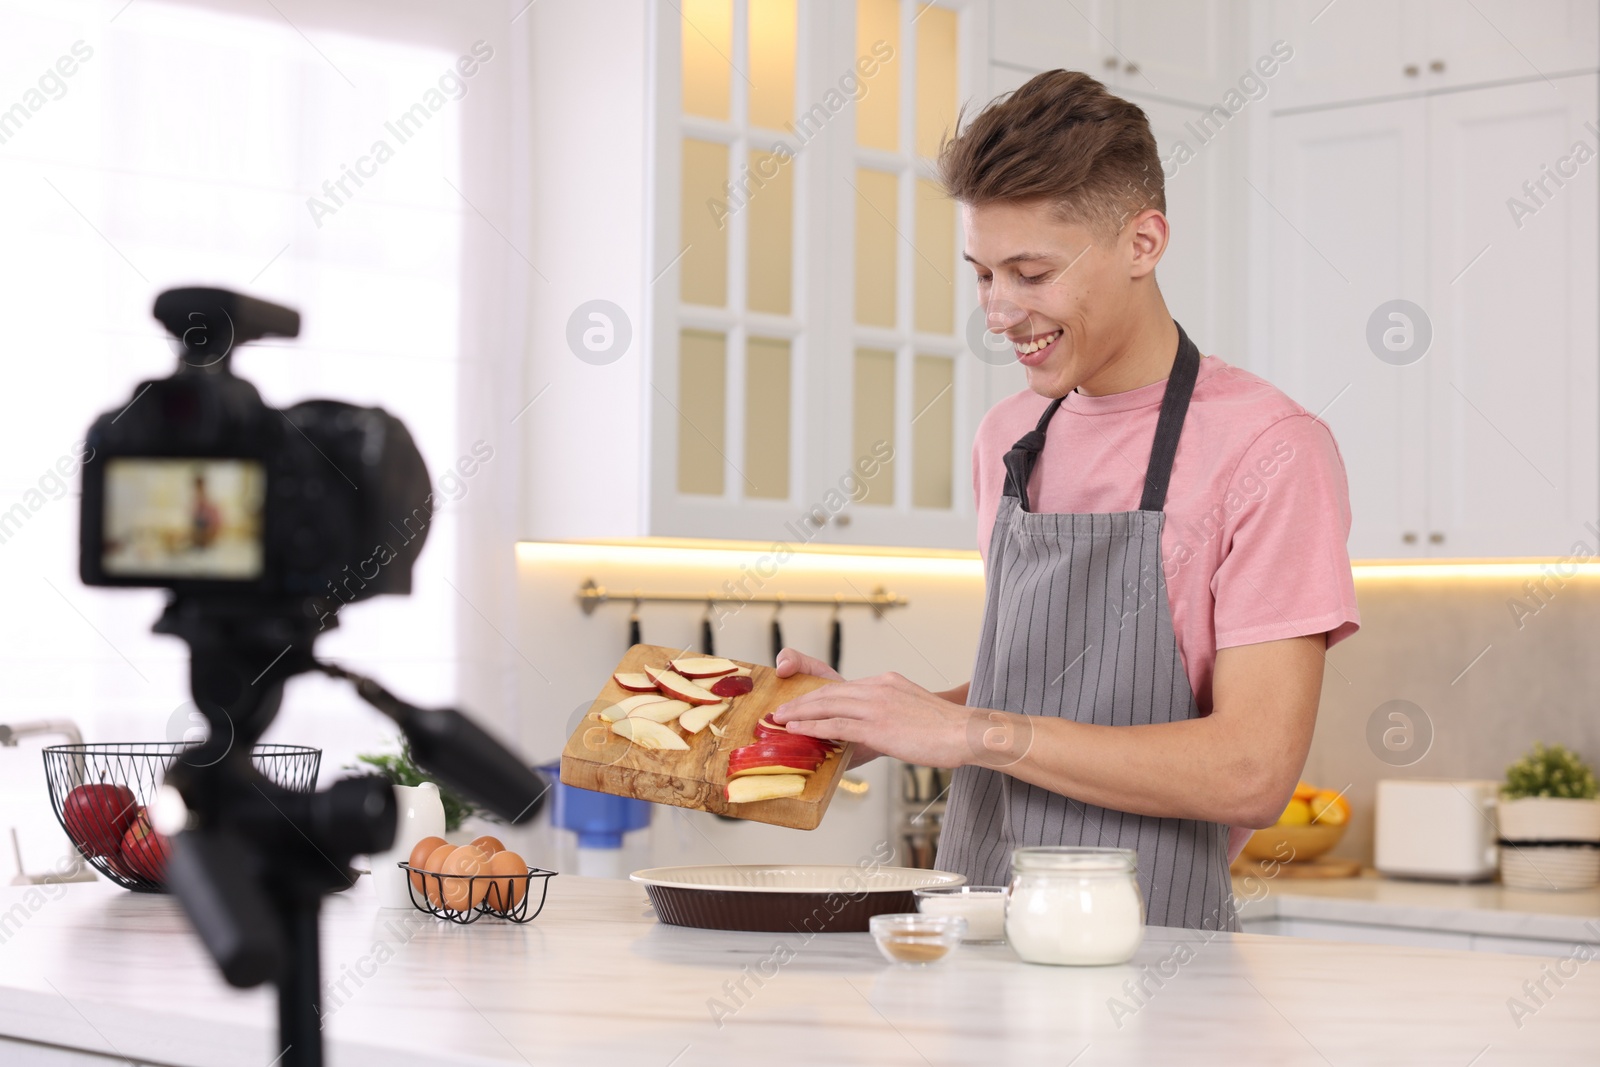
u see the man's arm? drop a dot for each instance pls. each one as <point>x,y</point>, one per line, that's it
<point>1238,765</point>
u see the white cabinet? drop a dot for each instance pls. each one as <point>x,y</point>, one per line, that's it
<point>785,166</point>
<point>1514,456</point>
<point>1345,213</point>
<point>1372,49</point>
<point>1486,444</point>
<point>1175,51</point>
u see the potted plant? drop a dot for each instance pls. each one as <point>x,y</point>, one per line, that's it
<point>1549,821</point>
<point>402,770</point>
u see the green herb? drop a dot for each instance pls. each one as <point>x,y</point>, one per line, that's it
<point>1555,771</point>
<point>402,770</point>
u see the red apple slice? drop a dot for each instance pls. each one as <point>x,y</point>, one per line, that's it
<point>744,672</point>
<point>732,685</point>
<point>634,682</point>
<point>765,787</point>
<point>704,666</point>
<point>680,688</point>
<point>700,717</point>
<point>662,711</point>
<point>647,734</point>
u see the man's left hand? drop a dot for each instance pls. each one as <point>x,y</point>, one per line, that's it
<point>888,714</point>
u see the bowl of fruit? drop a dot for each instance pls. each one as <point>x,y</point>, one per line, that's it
<point>99,794</point>
<point>1310,825</point>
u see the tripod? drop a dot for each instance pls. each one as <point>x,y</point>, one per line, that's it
<point>251,860</point>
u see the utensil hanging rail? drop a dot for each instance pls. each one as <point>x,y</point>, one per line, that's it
<point>592,595</point>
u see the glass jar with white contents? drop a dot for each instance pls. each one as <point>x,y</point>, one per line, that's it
<point>1074,905</point>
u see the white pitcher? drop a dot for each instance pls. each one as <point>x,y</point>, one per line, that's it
<point>419,814</point>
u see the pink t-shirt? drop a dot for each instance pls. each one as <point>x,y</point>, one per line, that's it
<point>1258,511</point>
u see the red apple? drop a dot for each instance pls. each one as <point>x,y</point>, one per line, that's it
<point>97,815</point>
<point>144,851</point>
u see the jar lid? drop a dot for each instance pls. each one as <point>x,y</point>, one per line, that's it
<point>1075,859</point>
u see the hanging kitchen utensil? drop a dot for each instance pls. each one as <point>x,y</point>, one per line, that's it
<point>708,645</point>
<point>836,640</point>
<point>777,632</point>
<point>635,637</point>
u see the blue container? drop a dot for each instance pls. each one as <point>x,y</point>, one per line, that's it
<point>599,819</point>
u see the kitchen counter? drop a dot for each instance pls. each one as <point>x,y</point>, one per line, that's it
<point>1488,908</point>
<point>596,980</point>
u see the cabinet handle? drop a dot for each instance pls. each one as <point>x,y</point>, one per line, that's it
<point>1411,70</point>
<point>1436,538</point>
<point>1437,66</point>
<point>1110,63</point>
<point>1131,68</point>
<point>841,519</point>
<point>1409,537</point>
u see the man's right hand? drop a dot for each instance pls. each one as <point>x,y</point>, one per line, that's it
<point>792,661</point>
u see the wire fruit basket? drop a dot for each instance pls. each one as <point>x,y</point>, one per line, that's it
<point>464,898</point>
<point>99,794</point>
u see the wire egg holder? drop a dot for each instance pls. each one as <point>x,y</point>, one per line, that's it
<point>432,896</point>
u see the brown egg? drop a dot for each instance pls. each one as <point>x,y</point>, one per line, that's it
<point>506,893</point>
<point>435,862</point>
<point>464,894</point>
<point>419,860</point>
<point>489,845</point>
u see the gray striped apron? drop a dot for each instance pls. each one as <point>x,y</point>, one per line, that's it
<point>1076,625</point>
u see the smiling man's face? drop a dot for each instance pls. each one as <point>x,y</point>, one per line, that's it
<point>1065,301</point>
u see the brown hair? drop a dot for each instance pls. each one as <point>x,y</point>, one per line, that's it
<point>1062,138</point>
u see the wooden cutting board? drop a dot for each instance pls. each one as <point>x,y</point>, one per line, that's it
<point>595,758</point>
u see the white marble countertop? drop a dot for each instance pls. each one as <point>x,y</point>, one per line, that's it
<point>1476,908</point>
<point>596,980</point>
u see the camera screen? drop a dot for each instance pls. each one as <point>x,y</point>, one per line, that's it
<point>183,518</point>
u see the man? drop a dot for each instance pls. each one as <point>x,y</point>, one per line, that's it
<point>1163,537</point>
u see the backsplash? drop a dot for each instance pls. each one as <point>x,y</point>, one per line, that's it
<point>1486,687</point>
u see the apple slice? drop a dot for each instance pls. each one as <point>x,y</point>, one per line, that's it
<point>647,734</point>
<point>704,666</point>
<point>765,787</point>
<point>743,672</point>
<point>662,711</point>
<point>732,685</point>
<point>634,682</point>
<point>628,705</point>
<point>678,687</point>
<point>702,716</point>
<point>771,768</point>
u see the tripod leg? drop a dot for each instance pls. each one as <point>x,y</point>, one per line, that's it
<point>300,989</point>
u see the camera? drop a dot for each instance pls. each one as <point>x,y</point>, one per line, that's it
<point>198,486</point>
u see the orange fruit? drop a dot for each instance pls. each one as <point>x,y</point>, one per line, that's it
<point>1298,813</point>
<point>1330,808</point>
<point>1305,790</point>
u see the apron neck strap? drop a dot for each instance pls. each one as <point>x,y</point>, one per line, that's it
<point>1169,426</point>
<point>1024,454</point>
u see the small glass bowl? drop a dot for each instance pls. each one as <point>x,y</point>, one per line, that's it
<point>914,938</point>
<point>983,906</point>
